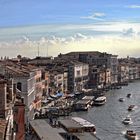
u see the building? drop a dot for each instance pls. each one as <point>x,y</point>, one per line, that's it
<point>98,59</point>
<point>19,120</point>
<point>123,73</point>
<point>28,82</point>
<point>77,76</point>
<point>3,99</point>
<point>58,81</point>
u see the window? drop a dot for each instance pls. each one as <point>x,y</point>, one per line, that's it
<point>78,73</point>
<point>19,86</point>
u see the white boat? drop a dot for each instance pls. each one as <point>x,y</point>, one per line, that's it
<point>121,99</point>
<point>130,135</point>
<point>86,125</point>
<point>100,100</point>
<point>127,121</point>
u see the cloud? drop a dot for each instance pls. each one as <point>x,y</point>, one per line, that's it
<point>129,32</point>
<point>133,6</point>
<point>95,16</point>
<point>53,45</point>
<point>79,36</point>
<point>105,36</point>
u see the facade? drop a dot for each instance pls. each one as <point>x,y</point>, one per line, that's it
<point>123,73</point>
<point>99,78</point>
<point>3,99</point>
<point>19,121</point>
<point>28,82</point>
<point>133,72</point>
<point>77,76</point>
<point>114,69</point>
<point>98,59</point>
<point>58,81</point>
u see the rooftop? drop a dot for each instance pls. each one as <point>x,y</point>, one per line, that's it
<point>45,131</point>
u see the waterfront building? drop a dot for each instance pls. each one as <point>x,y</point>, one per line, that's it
<point>98,59</point>
<point>123,73</point>
<point>133,72</point>
<point>58,81</point>
<point>99,77</point>
<point>77,76</point>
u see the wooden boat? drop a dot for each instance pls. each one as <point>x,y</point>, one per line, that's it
<point>130,135</point>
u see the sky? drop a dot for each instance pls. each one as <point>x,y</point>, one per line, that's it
<point>61,26</point>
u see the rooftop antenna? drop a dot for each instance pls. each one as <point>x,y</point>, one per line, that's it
<point>38,49</point>
<point>47,50</point>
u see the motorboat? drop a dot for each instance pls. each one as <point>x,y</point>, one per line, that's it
<point>127,121</point>
<point>129,95</point>
<point>100,100</point>
<point>121,99</point>
<point>130,135</point>
<point>131,108</point>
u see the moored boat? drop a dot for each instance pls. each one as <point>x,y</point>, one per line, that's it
<point>100,100</point>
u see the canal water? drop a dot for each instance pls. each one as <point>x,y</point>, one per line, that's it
<point>108,118</point>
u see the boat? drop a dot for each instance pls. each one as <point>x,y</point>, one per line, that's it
<point>90,98</point>
<point>127,121</point>
<point>131,108</point>
<point>77,125</point>
<point>130,135</point>
<point>100,100</point>
<point>121,99</point>
<point>82,105</point>
<point>129,95</point>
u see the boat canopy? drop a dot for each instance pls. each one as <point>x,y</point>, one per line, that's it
<point>59,94</point>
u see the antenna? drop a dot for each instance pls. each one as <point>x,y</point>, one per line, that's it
<point>38,49</point>
<point>47,50</point>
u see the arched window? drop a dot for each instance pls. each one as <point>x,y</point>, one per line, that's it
<point>19,86</point>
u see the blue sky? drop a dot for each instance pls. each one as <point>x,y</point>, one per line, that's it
<point>58,23</point>
<point>32,12</point>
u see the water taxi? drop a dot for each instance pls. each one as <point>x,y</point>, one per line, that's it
<point>130,135</point>
<point>100,100</point>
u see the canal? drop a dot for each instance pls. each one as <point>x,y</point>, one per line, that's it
<point>108,118</point>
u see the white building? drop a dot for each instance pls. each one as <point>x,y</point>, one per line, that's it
<point>77,76</point>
